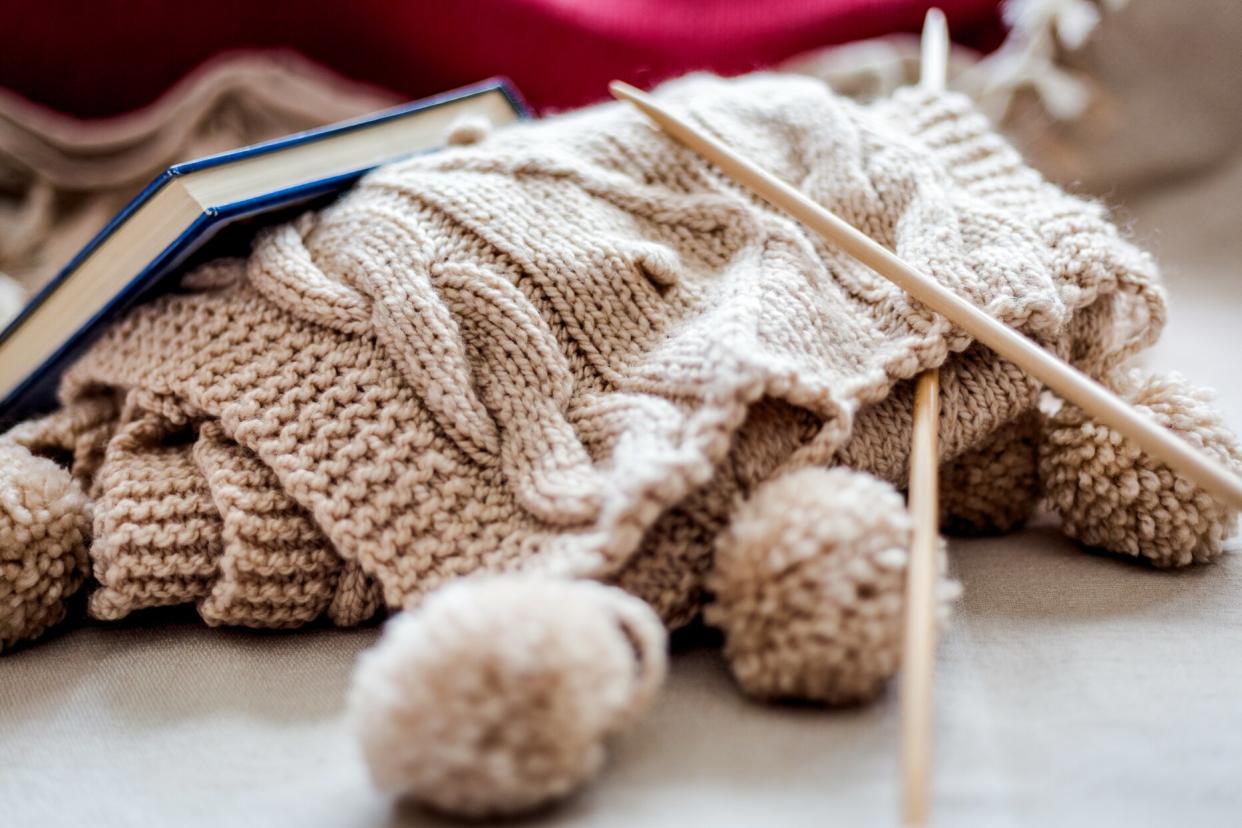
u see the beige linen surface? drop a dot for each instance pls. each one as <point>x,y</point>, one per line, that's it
<point>1071,689</point>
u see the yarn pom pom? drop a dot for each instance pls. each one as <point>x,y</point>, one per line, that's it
<point>1112,495</point>
<point>45,524</point>
<point>993,488</point>
<point>467,130</point>
<point>495,695</point>
<point>809,585</point>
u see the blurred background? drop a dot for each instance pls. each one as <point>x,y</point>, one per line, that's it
<point>1115,98</point>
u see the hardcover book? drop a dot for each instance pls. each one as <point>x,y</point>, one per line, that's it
<point>216,200</point>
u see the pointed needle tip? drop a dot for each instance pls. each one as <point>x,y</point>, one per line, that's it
<point>622,90</point>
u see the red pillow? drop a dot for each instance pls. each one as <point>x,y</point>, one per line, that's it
<point>110,56</point>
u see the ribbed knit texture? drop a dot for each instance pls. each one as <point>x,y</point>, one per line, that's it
<point>573,349</point>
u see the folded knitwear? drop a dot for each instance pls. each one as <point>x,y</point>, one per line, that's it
<point>572,347</point>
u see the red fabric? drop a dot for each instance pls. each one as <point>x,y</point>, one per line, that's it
<point>110,56</point>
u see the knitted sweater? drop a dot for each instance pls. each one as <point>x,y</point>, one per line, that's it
<point>572,348</point>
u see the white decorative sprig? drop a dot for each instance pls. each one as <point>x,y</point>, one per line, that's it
<point>1028,57</point>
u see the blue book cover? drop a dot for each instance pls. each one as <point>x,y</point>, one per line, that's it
<point>220,205</point>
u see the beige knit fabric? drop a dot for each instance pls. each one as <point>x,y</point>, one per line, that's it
<point>573,349</point>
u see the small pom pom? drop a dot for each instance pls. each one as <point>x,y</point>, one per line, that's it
<point>808,585</point>
<point>45,524</point>
<point>469,129</point>
<point>495,696</point>
<point>1111,495</point>
<point>993,488</point>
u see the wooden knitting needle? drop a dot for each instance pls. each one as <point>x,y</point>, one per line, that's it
<point>1070,383</point>
<point>919,651</point>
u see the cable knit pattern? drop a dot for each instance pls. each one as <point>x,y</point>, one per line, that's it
<point>572,348</point>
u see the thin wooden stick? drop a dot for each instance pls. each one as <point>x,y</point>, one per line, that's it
<point>919,645</point>
<point>1062,378</point>
<point>934,52</point>
<point>918,657</point>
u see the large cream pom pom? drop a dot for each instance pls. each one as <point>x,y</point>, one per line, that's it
<point>496,695</point>
<point>45,524</point>
<point>1111,495</point>
<point>808,585</point>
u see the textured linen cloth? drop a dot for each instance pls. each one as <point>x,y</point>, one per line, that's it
<point>570,350</point>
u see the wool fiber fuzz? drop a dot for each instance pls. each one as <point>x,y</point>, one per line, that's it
<point>496,695</point>
<point>1111,495</point>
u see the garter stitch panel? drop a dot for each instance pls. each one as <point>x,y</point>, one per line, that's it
<point>573,348</point>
